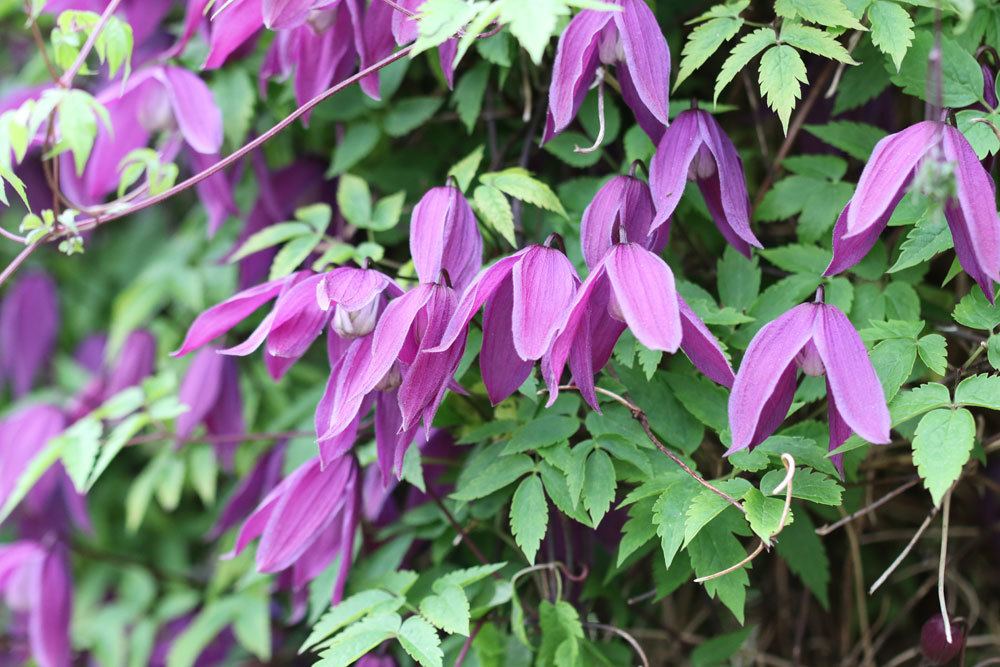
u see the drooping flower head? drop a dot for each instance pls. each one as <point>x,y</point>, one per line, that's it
<point>211,390</point>
<point>970,210</point>
<point>29,323</point>
<point>36,582</point>
<point>818,339</point>
<point>631,40</point>
<point>695,148</point>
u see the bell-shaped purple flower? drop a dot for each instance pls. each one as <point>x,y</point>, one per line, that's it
<point>526,296</point>
<point>29,323</point>
<point>695,148</point>
<point>971,211</point>
<point>629,39</point>
<point>211,390</point>
<point>444,236</point>
<point>36,580</point>
<point>306,521</point>
<point>818,339</point>
<point>623,200</point>
<point>252,488</point>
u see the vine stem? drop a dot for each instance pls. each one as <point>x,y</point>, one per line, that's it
<point>946,512</point>
<point>829,528</point>
<point>66,80</point>
<point>906,550</point>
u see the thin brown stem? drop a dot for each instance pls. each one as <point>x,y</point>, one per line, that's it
<point>829,528</point>
<point>624,635</point>
<point>457,527</point>
<point>36,35</point>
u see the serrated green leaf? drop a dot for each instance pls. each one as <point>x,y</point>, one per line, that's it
<point>979,390</point>
<point>703,41</point>
<point>764,514</point>
<point>465,169</point>
<point>893,361</point>
<point>519,183</point>
<point>495,211</point>
<point>714,549</point>
<point>494,477</point>
<point>708,504</point>
<point>419,639</point>
<point>359,639</point>
<point>447,609</point>
<point>913,402</point>
<point>745,51</point>
<point>408,114</point>
<point>929,236</point>
<point>855,139</point>
<point>961,76</point>
<point>832,13</point>
<point>532,23</point>
<point>439,20</point>
<point>933,351</point>
<point>542,432</point>
<point>599,485</point>
<point>529,516</point>
<point>941,446</point>
<point>807,485</point>
<point>780,76</point>
<point>814,40</point>
<point>738,279</point>
<point>892,29</point>
<point>348,611</point>
<point>975,312</point>
<point>670,515</point>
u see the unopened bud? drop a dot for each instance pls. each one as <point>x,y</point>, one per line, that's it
<point>355,323</point>
<point>934,642</point>
<point>391,380</point>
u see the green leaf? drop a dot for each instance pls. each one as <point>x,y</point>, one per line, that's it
<point>542,432</point>
<point>360,639</point>
<point>494,209</point>
<point>913,402</point>
<point>806,452</point>
<point>993,351</point>
<point>37,467</point>
<point>961,76</point>
<point>805,555</point>
<point>387,212</point>
<point>529,516</point>
<point>638,529</point>
<point>807,485</point>
<point>354,200</point>
<point>941,446</point>
<point>670,515</point>
<point>406,115</point>
<point>855,139</point>
<point>780,75</point>
<point>893,361</point>
<point>979,390</point>
<point>236,97</point>
<point>519,183</point>
<point>708,504</point>
<point>892,29</point>
<point>738,279</point>
<point>419,639</point>
<point>798,258</point>
<point>465,169</point>
<point>205,627</point>
<point>599,485</point>
<point>269,237</point>
<point>715,549</point>
<point>292,254</point>
<point>447,609</point>
<point>78,125</point>
<point>532,23</point>
<point>861,83</point>
<point>115,442</point>
<point>560,626</point>
<point>814,40</point>
<point>467,576</point>
<point>439,20</point>
<point>975,312</point>
<point>819,166</point>
<point>763,514</point>
<point>496,476</point>
<point>468,95</point>
<point>929,236</point>
<point>719,649</point>
<point>745,51</point>
<point>933,351</point>
<point>81,442</point>
<point>348,611</point>
<point>833,13</point>
<point>703,41</point>
<point>252,625</point>
<point>359,139</point>
<point>701,397</point>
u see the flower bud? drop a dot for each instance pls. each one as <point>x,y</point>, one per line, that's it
<point>703,165</point>
<point>934,642</point>
<point>356,323</point>
<point>809,360</point>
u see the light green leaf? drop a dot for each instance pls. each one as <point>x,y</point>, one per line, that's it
<point>703,41</point>
<point>975,312</point>
<point>941,446</point>
<point>808,485</point>
<point>892,29</point>
<point>529,516</point>
<point>814,40</point>
<point>447,609</point>
<point>354,200</point>
<point>519,183</point>
<point>764,514</point>
<point>78,126</point>
<point>929,236</point>
<point>468,95</point>
<point>979,390</point>
<point>359,639</point>
<point>708,504</point>
<point>913,402</point>
<point>745,51</point>
<point>933,351</point>
<point>494,477</point>
<point>465,169</point>
<point>419,639</point>
<point>292,254</point>
<point>252,625</point>
<point>81,442</point>
<point>341,615</point>
<point>599,485</point>
<point>961,76</point>
<point>439,20</point>
<point>738,279</point>
<point>855,139</point>
<point>115,442</point>
<point>359,139</point>
<point>270,237</point>
<point>387,212</point>
<point>408,114</point>
<point>205,627</point>
<point>236,97</point>
<point>780,75</point>
<point>495,211</point>
<point>532,23</point>
<point>833,13</point>
<point>37,467</point>
<point>893,361</point>
<point>670,515</point>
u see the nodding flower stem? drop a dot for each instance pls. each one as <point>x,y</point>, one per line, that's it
<point>555,240</point>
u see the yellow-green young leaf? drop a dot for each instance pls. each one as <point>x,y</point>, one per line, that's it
<point>465,169</point>
<point>764,514</point>
<point>745,51</point>
<point>941,446</point>
<point>892,29</point>
<point>833,13</point>
<point>815,41</point>
<point>532,22</point>
<point>77,126</point>
<point>519,183</point>
<point>781,74</point>
<point>439,20</point>
<point>420,640</point>
<point>979,390</point>
<point>703,42</point>
<point>447,609</point>
<point>346,612</point>
<point>494,209</point>
<point>529,516</point>
<point>359,639</point>
<point>236,96</point>
<point>270,236</point>
<point>728,10</point>
<point>354,200</point>
<point>292,254</point>
<point>7,175</point>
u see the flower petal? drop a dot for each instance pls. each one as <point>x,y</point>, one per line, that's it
<point>444,235</point>
<point>238,22</point>
<point>51,610</point>
<point>544,283</point>
<point>702,348</point>
<point>350,288</point>
<point>849,250</point>
<point>574,68</point>
<point>668,170</point>
<point>197,114</point>
<point>839,430</point>
<point>392,331</point>
<point>852,379</point>
<point>298,320</point>
<point>222,317</point>
<point>647,56</point>
<point>762,374</point>
<point>622,198</point>
<point>643,286</point>
<point>502,369</point>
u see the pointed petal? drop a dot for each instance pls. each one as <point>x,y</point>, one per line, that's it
<point>544,283</point>
<point>51,610</point>
<point>852,378</point>
<point>215,192</point>
<point>972,213</point>
<point>446,58</point>
<point>668,170</point>
<point>653,128</point>
<point>197,114</point>
<point>237,23</point>
<point>574,68</point>
<point>839,430</point>
<point>284,14</point>
<point>849,250</point>
<point>643,285</point>
<point>379,43</point>
<point>729,193</point>
<point>503,370</point>
<point>389,436</point>
<point>623,198</point>
<point>322,58</point>
<point>220,318</point>
<point>199,390</point>
<point>350,288</point>
<point>298,320</point>
<point>575,329</point>
<point>767,360</point>
<point>226,416</point>
<point>702,348</point>
<point>646,55</point>
<point>775,409</point>
<point>444,235</point>
<point>887,173</point>
<point>392,331</point>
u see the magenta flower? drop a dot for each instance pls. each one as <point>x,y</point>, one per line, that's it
<point>306,521</point>
<point>631,40</point>
<point>35,580</point>
<point>211,390</point>
<point>695,148</point>
<point>818,339</point>
<point>405,30</point>
<point>444,236</point>
<point>135,362</point>
<point>526,296</point>
<point>29,324</point>
<point>971,211</point>
<point>252,488</point>
<point>625,200</point>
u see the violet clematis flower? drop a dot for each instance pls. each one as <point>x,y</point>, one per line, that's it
<point>211,390</point>
<point>135,362</point>
<point>971,212</point>
<point>695,148</point>
<point>252,488</point>
<point>631,40</point>
<point>306,521</point>
<point>444,236</point>
<point>35,580</point>
<point>627,201</point>
<point>526,296</point>
<point>818,339</point>
<point>29,323</point>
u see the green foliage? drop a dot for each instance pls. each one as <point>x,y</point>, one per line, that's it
<point>941,446</point>
<point>780,76</point>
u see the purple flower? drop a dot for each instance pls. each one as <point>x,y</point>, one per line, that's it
<point>29,323</point>
<point>251,489</point>
<point>35,580</point>
<point>405,30</point>
<point>444,236</point>
<point>135,362</point>
<point>155,99</point>
<point>526,296</point>
<point>695,148</point>
<point>625,200</point>
<point>818,339</point>
<point>970,211</point>
<point>306,521</point>
<point>211,390</point>
<point>631,40</point>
